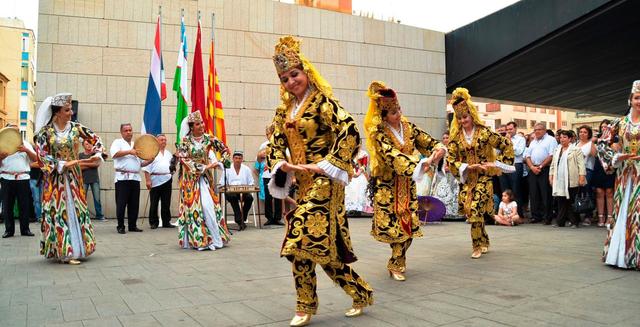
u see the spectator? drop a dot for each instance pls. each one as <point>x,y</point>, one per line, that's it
<point>513,181</point>
<point>35,183</point>
<point>538,157</point>
<point>603,182</point>
<point>508,210</point>
<point>272,207</point>
<point>566,175</point>
<point>588,148</point>
<point>90,177</point>
<point>239,174</point>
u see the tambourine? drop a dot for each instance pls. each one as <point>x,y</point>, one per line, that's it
<point>146,146</point>
<point>10,140</point>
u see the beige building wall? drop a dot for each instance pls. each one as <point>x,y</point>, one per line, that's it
<point>100,50</point>
<point>17,56</point>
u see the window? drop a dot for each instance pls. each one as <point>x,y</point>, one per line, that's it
<point>492,107</point>
<point>25,44</point>
<point>498,123</point>
<point>543,110</point>
<point>522,123</point>
<point>532,109</point>
<point>519,109</point>
<point>532,123</point>
<point>551,111</point>
<point>552,125</point>
<point>564,123</point>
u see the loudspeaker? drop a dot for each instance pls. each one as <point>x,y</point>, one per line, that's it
<point>74,108</point>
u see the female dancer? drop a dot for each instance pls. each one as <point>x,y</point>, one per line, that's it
<point>200,221</point>
<point>472,159</point>
<point>323,139</point>
<point>392,141</point>
<point>622,247</point>
<point>67,232</point>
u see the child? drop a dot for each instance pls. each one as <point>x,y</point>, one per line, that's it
<point>508,210</point>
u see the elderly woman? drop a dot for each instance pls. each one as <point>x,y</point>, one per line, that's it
<point>566,173</point>
<point>200,221</point>
<point>472,159</point>
<point>392,141</point>
<point>67,232</point>
<point>323,140</point>
<point>622,247</point>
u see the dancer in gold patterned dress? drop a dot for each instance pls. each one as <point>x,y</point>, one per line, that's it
<point>393,141</point>
<point>323,139</point>
<point>473,160</point>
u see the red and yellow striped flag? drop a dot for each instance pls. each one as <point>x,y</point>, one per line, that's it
<point>214,122</point>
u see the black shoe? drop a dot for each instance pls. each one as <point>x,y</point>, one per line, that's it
<point>28,233</point>
<point>168,226</point>
<point>534,221</point>
<point>7,234</point>
<point>269,223</point>
<point>121,230</point>
<point>135,229</point>
<point>279,223</point>
<point>154,226</point>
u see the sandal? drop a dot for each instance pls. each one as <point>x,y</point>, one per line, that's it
<point>600,220</point>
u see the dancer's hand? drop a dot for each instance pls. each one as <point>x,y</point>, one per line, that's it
<point>312,168</point>
<point>287,168</point>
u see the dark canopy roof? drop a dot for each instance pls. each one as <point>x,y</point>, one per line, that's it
<point>579,54</point>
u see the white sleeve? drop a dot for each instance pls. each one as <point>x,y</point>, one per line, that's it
<point>249,176</point>
<point>418,172</point>
<point>115,147</point>
<point>519,146</point>
<point>463,172</point>
<point>280,192</point>
<point>334,172</point>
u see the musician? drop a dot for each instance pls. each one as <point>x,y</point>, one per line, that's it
<point>67,232</point>
<point>238,174</point>
<point>127,178</point>
<point>14,180</point>
<point>158,180</point>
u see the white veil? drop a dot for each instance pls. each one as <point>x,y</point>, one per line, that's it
<point>44,114</point>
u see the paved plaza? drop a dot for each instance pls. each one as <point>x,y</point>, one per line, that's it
<point>534,276</point>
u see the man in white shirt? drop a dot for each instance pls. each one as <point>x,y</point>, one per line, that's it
<point>513,181</point>
<point>538,158</point>
<point>127,178</point>
<point>158,178</point>
<point>14,182</point>
<point>238,174</point>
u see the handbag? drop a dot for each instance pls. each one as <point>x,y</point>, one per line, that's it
<point>583,203</point>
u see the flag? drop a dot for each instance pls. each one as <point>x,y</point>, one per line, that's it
<point>215,115</point>
<point>180,81</point>
<point>156,90</point>
<point>197,79</point>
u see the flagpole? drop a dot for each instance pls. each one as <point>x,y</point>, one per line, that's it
<point>213,38</point>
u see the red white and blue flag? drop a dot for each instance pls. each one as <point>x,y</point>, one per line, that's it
<point>156,90</point>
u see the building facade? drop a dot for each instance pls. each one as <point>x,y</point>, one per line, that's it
<point>17,62</point>
<point>100,51</point>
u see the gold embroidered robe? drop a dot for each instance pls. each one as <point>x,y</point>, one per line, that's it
<point>476,194</point>
<point>395,202</point>
<point>321,130</point>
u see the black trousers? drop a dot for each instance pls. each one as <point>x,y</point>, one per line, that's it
<point>513,182</point>
<point>12,190</point>
<point>234,200</point>
<point>272,207</point>
<point>127,197</point>
<point>162,194</point>
<point>540,197</point>
<point>565,208</point>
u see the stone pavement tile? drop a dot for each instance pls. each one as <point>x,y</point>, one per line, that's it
<point>84,289</point>
<point>13,315</point>
<point>633,322</point>
<point>465,302</point>
<point>443,307</point>
<point>414,309</point>
<point>38,314</point>
<point>242,314</point>
<point>171,318</point>
<point>102,322</point>
<point>140,302</point>
<point>396,318</point>
<point>90,275</point>
<point>475,322</point>
<point>209,315</point>
<point>514,319</point>
<point>139,320</point>
<point>273,310</point>
<point>114,272</point>
<point>12,282</point>
<point>65,324</point>
<point>539,311</point>
<point>111,286</point>
<point>5,297</point>
<point>198,295</point>
<point>169,299</point>
<point>110,305</point>
<point>602,310</point>
<point>78,309</point>
<point>56,293</point>
<point>239,291</point>
<point>39,278</point>
<point>492,294</point>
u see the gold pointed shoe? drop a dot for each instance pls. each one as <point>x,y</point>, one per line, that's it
<point>476,254</point>
<point>484,249</point>
<point>396,275</point>
<point>74,262</point>
<point>353,312</point>
<point>299,321</point>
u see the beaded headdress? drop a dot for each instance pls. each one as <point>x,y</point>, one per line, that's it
<point>194,117</point>
<point>61,99</point>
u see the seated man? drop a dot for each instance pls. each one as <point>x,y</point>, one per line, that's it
<point>238,174</point>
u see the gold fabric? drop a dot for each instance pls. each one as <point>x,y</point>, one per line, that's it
<point>398,260</point>
<point>304,276</point>
<point>395,201</point>
<point>479,236</point>
<point>321,130</point>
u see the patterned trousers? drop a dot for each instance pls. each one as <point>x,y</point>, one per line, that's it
<point>398,260</point>
<point>304,276</point>
<point>479,237</point>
